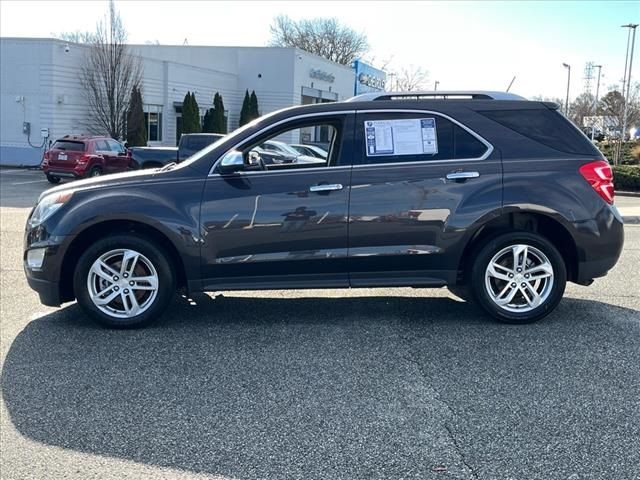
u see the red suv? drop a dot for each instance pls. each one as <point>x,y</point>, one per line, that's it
<point>81,156</point>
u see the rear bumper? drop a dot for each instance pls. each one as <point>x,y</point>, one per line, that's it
<point>600,243</point>
<point>76,172</point>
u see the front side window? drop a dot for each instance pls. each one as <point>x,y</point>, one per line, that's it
<point>153,122</point>
<point>414,137</point>
<point>273,151</point>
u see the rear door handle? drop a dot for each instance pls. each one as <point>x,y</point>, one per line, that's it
<point>462,175</point>
<point>325,187</point>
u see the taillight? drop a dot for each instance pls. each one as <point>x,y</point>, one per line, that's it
<point>45,158</point>
<point>83,159</point>
<point>600,177</point>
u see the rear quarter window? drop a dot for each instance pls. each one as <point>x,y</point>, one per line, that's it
<point>545,126</point>
<point>69,146</point>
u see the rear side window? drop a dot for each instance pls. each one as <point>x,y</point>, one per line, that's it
<point>391,138</point>
<point>69,146</point>
<point>544,126</point>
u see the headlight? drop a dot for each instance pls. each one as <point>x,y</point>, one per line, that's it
<point>48,206</point>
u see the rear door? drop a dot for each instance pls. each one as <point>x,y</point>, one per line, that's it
<point>422,180</point>
<point>118,158</point>
<point>102,149</point>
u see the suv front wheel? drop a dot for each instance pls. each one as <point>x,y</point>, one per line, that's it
<point>518,277</point>
<point>124,281</point>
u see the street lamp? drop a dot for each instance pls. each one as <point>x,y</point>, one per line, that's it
<point>435,86</point>
<point>566,102</point>
<point>630,26</point>
<point>595,104</point>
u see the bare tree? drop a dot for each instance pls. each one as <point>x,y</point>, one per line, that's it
<point>411,78</point>
<point>108,76</point>
<point>75,37</point>
<point>582,106</point>
<point>326,37</point>
<point>612,106</point>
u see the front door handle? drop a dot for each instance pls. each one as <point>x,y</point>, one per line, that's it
<point>462,175</point>
<point>325,187</point>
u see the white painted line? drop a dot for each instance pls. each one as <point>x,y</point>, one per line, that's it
<point>19,170</point>
<point>31,181</point>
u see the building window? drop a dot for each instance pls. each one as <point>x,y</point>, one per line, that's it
<point>153,122</point>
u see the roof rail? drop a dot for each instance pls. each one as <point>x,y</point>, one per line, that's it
<point>437,95</point>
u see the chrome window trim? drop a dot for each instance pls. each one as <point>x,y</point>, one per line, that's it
<point>280,122</point>
<point>431,112</point>
<point>489,146</point>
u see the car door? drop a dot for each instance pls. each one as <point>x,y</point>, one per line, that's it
<point>421,180</point>
<point>118,158</point>
<point>103,149</point>
<point>285,226</point>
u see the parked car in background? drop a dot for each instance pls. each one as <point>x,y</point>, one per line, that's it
<point>310,150</point>
<point>78,156</point>
<point>190,143</point>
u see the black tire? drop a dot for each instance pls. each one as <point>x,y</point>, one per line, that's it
<point>95,172</point>
<point>52,179</point>
<point>158,258</point>
<point>496,245</point>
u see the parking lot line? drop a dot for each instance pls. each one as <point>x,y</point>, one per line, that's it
<point>30,181</point>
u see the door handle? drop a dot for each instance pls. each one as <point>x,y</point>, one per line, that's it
<point>325,187</point>
<point>462,175</point>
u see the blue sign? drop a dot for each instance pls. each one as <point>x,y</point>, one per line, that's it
<point>368,78</point>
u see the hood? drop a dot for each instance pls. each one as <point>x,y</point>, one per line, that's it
<point>103,181</point>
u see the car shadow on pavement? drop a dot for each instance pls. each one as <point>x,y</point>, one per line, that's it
<point>265,387</point>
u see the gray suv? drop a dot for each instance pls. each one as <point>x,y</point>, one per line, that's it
<point>501,199</point>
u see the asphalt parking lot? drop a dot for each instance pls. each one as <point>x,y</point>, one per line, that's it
<point>360,384</point>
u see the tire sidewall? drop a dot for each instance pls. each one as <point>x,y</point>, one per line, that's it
<point>493,246</point>
<point>166,279</point>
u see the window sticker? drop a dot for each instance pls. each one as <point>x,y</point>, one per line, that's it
<point>413,136</point>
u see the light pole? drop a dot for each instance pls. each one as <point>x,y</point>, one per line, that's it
<point>595,103</point>
<point>435,86</point>
<point>566,102</point>
<point>631,26</point>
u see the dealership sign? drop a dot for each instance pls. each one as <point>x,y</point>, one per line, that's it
<point>322,75</point>
<point>368,78</point>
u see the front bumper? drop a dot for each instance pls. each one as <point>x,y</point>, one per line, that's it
<point>46,280</point>
<point>49,292</point>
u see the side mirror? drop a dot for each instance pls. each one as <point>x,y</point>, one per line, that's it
<point>232,162</point>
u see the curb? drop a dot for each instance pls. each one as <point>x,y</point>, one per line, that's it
<point>627,194</point>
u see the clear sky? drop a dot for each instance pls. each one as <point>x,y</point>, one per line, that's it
<point>463,45</point>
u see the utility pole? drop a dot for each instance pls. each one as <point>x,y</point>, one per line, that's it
<point>566,103</point>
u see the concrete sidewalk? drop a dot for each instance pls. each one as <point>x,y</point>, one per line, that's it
<point>629,208</point>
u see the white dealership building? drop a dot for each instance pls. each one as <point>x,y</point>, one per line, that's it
<point>40,89</point>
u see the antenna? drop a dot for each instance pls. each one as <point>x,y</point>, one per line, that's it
<point>512,80</point>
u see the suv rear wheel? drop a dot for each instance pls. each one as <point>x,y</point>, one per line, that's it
<point>518,277</point>
<point>53,179</point>
<point>124,281</point>
<point>95,172</point>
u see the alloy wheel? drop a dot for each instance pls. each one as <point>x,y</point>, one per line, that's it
<point>122,283</point>
<point>519,278</point>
